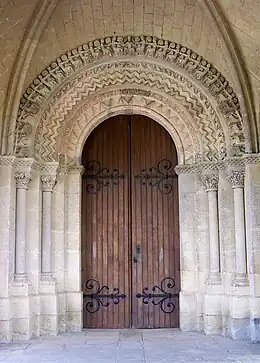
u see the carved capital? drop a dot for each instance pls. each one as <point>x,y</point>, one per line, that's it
<point>237,178</point>
<point>210,181</point>
<point>48,182</point>
<point>22,179</point>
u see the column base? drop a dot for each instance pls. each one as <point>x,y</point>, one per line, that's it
<point>212,307</point>
<point>47,276</point>
<point>74,313</point>
<point>240,280</point>
<point>214,279</point>
<point>20,279</point>
<point>22,308</point>
<point>48,306</point>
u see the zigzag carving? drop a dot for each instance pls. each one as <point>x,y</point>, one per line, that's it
<point>133,97</point>
<point>71,98</point>
<point>141,49</point>
<point>137,96</point>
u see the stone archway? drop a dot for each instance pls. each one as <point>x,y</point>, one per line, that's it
<point>194,102</point>
<point>146,62</point>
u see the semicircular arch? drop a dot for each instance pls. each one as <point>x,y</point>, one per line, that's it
<point>140,61</point>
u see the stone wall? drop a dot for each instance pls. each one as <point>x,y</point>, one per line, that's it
<point>36,302</point>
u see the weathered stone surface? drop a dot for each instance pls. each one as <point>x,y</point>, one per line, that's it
<point>131,346</point>
<point>192,66</point>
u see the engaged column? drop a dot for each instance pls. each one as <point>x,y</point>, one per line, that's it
<point>48,183</point>
<point>22,181</point>
<point>211,185</point>
<point>237,180</point>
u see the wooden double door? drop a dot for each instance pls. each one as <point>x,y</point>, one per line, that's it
<point>130,231</point>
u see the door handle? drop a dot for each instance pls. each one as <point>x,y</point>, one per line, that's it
<point>137,251</point>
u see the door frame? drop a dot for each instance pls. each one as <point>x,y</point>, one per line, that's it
<point>191,294</point>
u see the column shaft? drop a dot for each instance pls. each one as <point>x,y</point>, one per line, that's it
<point>22,181</point>
<point>210,182</point>
<point>48,182</point>
<point>46,233</point>
<point>20,244</point>
<point>213,231</point>
<point>240,231</point>
<point>236,178</point>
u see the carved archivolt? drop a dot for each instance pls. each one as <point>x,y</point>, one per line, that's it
<point>129,46</point>
<point>148,103</point>
<point>204,118</point>
<point>215,116</point>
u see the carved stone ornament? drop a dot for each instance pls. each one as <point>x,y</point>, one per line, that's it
<point>251,159</point>
<point>210,181</point>
<point>237,178</point>
<point>22,179</point>
<point>48,182</point>
<point>62,80</point>
<point>7,160</point>
<point>187,169</point>
<point>181,118</point>
<point>141,46</point>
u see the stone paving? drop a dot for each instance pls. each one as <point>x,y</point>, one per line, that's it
<point>130,346</point>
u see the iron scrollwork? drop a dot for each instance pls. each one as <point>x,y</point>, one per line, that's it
<point>160,295</point>
<point>100,176</point>
<point>161,176</point>
<point>100,296</point>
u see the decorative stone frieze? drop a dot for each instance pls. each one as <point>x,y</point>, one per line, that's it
<point>251,158</point>
<point>76,169</point>
<point>187,169</point>
<point>6,160</point>
<point>49,168</point>
<point>204,169</point>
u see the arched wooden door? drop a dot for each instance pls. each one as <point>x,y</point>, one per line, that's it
<point>130,227</point>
